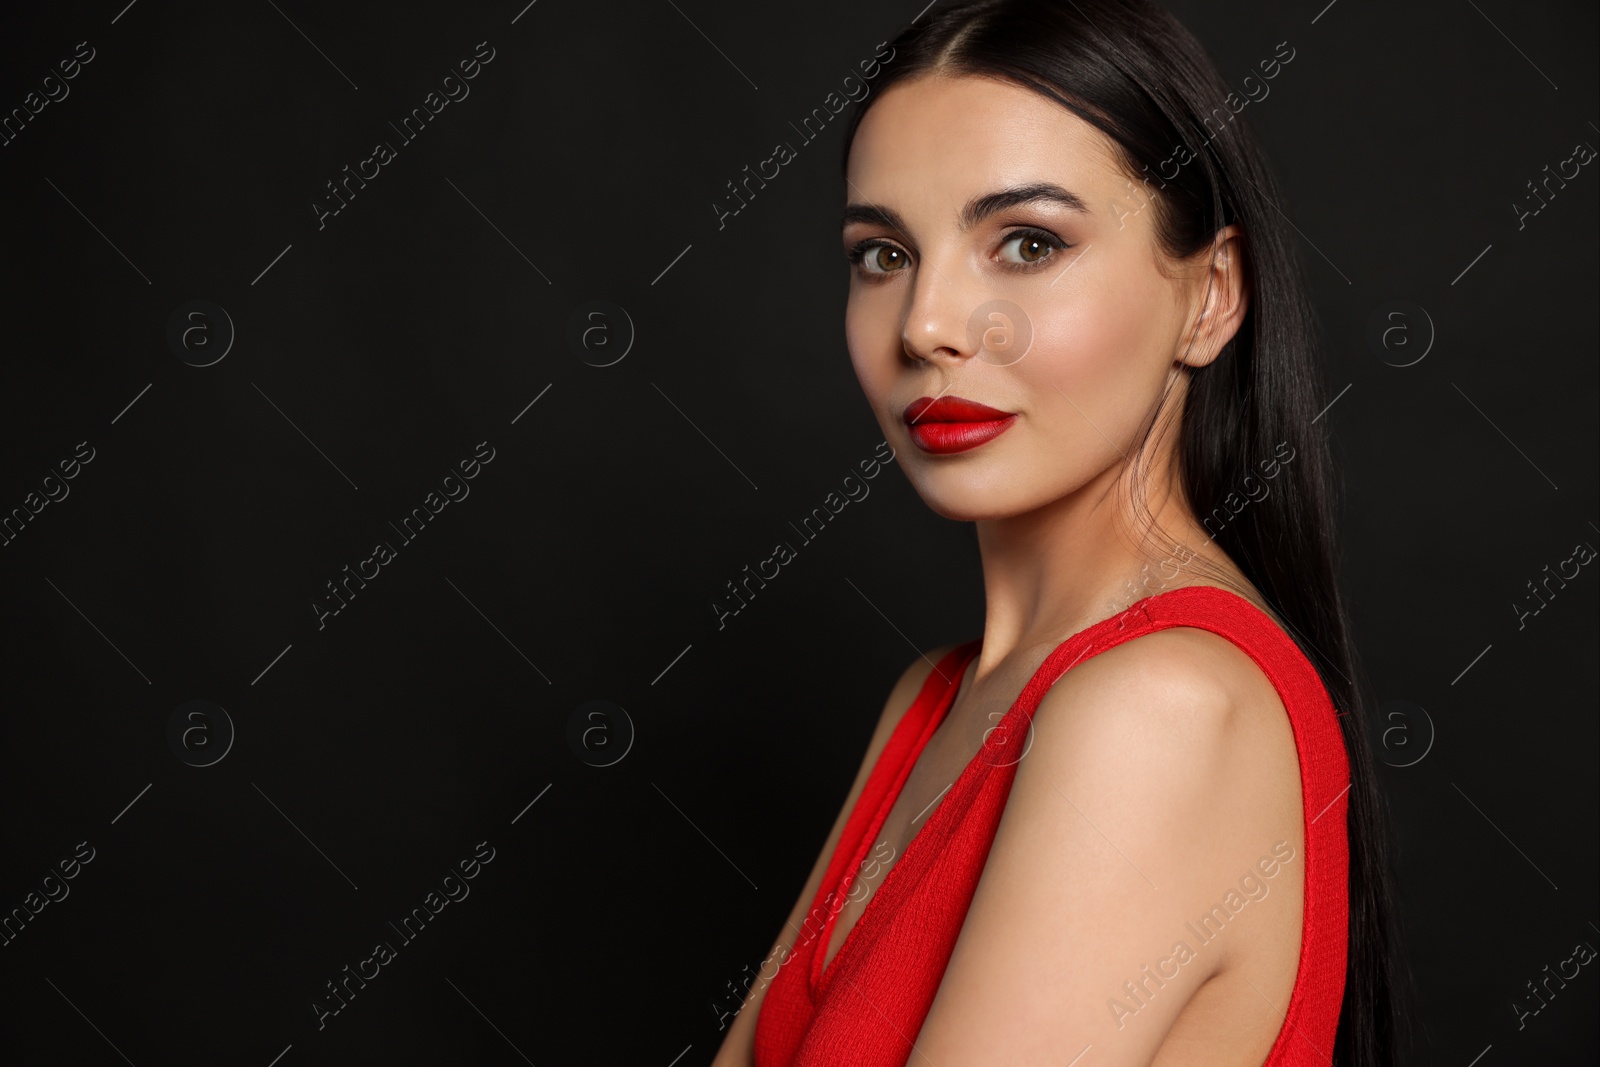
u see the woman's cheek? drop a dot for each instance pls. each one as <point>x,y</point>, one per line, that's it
<point>855,343</point>
<point>870,343</point>
<point>1080,373</point>
<point>1065,353</point>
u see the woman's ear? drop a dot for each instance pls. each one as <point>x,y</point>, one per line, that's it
<point>1220,294</point>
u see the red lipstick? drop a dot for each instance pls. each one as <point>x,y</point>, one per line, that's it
<point>953,424</point>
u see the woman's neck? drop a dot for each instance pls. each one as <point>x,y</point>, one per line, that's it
<point>1081,558</point>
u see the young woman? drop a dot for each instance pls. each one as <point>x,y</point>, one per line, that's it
<point>1136,822</point>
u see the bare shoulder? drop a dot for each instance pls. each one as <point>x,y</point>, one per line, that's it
<point>1158,773</point>
<point>1185,727</point>
<point>1183,683</point>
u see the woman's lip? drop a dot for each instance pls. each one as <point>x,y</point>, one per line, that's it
<point>947,409</point>
<point>947,424</point>
<point>944,438</point>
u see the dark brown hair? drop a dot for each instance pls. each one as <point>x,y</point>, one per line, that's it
<point>1134,72</point>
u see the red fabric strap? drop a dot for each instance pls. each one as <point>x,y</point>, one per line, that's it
<point>870,1001</point>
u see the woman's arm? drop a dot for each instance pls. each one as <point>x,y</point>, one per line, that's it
<point>738,1047</point>
<point>1160,773</point>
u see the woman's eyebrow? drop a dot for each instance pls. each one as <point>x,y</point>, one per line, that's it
<point>873,215</point>
<point>977,209</point>
<point>981,207</point>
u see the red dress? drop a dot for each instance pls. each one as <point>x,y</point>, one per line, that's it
<point>894,957</point>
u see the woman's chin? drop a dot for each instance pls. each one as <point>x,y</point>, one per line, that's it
<point>964,503</point>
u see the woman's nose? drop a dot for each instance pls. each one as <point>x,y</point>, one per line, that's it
<point>936,320</point>
<point>949,320</point>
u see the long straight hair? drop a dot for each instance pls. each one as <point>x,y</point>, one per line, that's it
<point>1134,72</point>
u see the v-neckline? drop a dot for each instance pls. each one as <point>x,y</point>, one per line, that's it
<point>823,968</point>
<point>822,972</point>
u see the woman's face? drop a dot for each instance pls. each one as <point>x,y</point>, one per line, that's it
<point>1001,257</point>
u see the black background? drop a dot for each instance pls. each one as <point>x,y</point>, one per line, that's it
<point>373,354</point>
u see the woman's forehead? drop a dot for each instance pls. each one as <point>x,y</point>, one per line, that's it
<point>942,138</point>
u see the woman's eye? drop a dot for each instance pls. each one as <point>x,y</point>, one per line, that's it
<point>881,259</point>
<point>1028,248</point>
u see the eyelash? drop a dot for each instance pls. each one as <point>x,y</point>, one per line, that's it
<point>858,253</point>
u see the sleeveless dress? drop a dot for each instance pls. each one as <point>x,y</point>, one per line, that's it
<point>865,1009</point>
